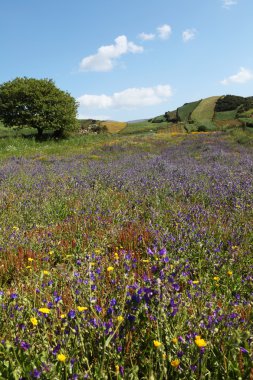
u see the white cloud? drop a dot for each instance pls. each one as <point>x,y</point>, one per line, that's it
<point>164,31</point>
<point>188,34</point>
<point>243,76</point>
<point>106,56</point>
<point>228,3</point>
<point>129,98</point>
<point>146,36</point>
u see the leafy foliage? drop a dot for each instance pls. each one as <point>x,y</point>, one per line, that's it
<point>231,102</point>
<point>37,103</point>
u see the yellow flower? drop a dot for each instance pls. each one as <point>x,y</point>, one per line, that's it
<point>34,321</point>
<point>157,343</point>
<point>174,340</point>
<point>28,267</point>
<point>51,252</point>
<point>62,316</point>
<point>44,310</point>
<point>46,272</point>
<point>110,269</point>
<point>195,282</point>
<point>97,250</point>
<point>116,256</point>
<point>61,357</point>
<point>175,363</point>
<point>230,272</point>
<point>117,369</point>
<point>145,261</point>
<point>200,342</point>
<point>82,308</point>
<point>120,318</point>
<point>16,228</point>
<point>30,259</point>
<point>216,278</point>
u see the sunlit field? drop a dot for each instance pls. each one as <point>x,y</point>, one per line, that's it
<point>127,258</point>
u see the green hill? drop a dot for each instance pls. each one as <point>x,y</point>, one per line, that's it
<point>212,113</point>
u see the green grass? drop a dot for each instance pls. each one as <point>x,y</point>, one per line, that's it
<point>143,127</point>
<point>186,110</point>
<point>225,115</point>
<point>205,109</point>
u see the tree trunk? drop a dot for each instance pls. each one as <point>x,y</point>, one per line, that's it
<point>40,132</point>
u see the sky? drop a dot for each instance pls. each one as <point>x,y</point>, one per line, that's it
<point>133,59</point>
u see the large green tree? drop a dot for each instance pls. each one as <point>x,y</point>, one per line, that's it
<point>37,103</point>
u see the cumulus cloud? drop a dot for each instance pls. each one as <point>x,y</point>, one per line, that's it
<point>128,98</point>
<point>243,76</point>
<point>228,3</point>
<point>164,31</point>
<point>106,56</point>
<point>188,34</point>
<point>147,36</point>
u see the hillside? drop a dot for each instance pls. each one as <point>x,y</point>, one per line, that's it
<point>209,114</point>
<point>212,113</point>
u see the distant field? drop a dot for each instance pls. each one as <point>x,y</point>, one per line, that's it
<point>186,110</point>
<point>143,127</point>
<point>226,115</point>
<point>205,110</point>
<point>113,126</point>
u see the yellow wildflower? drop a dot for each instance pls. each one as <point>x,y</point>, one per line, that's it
<point>145,261</point>
<point>175,363</point>
<point>200,342</point>
<point>61,357</point>
<point>157,343</point>
<point>34,321</point>
<point>30,259</point>
<point>82,308</point>
<point>44,310</point>
<point>116,256</point>
<point>230,272</point>
<point>117,369</point>
<point>174,340</point>
<point>62,316</point>
<point>51,252</point>
<point>16,228</point>
<point>120,318</point>
<point>46,272</point>
<point>195,282</point>
<point>110,269</point>
<point>216,278</point>
<point>97,250</point>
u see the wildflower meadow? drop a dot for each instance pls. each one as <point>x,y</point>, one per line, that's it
<point>128,260</point>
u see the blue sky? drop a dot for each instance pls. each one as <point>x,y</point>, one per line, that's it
<point>131,59</point>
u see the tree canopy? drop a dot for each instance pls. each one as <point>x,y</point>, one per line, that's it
<point>37,103</point>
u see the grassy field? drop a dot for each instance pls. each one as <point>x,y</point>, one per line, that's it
<point>113,126</point>
<point>186,110</point>
<point>205,109</point>
<point>143,127</point>
<point>226,115</point>
<point>127,257</point>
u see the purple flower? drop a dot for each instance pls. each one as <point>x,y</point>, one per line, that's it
<point>35,373</point>
<point>98,308</point>
<point>71,314</point>
<point>24,345</point>
<point>243,350</point>
<point>162,252</point>
<point>13,296</point>
<point>56,349</point>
